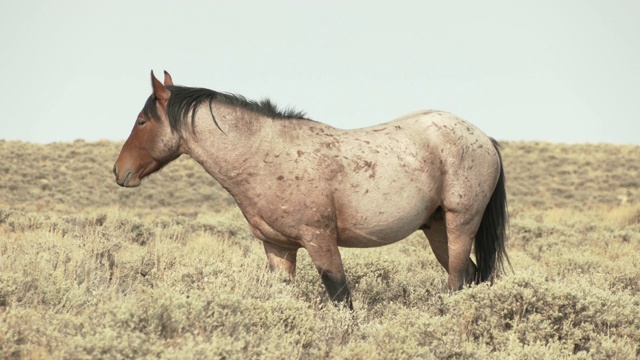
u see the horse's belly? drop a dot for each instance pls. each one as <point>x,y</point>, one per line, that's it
<point>371,226</point>
<point>363,238</point>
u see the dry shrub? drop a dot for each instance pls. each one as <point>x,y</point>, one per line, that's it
<point>626,216</point>
<point>535,311</point>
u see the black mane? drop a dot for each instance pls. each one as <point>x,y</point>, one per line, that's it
<point>185,100</point>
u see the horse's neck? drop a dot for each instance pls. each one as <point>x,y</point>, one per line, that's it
<point>237,152</point>
<point>220,149</point>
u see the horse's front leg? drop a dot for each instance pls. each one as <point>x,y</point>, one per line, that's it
<point>323,250</point>
<point>281,258</point>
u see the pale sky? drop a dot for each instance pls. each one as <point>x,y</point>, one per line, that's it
<point>559,71</point>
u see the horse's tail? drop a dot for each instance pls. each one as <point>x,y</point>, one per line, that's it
<point>491,236</point>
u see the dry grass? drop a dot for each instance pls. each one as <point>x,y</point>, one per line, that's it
<point>170,270</point>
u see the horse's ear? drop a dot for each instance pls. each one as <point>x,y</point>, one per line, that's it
<point>160,92</point>
<point>168,81</point>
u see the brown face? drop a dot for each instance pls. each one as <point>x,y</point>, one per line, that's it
<point>151,145</point>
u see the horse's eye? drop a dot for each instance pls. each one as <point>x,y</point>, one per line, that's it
<point>141,122</point>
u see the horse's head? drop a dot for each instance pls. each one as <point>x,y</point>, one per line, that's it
<point>152,144</point>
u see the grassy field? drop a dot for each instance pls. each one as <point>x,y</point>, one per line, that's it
<point>169,270</point>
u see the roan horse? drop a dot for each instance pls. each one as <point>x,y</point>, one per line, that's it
<point>304,184</point>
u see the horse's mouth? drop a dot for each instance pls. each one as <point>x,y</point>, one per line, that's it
<point>126,182</point>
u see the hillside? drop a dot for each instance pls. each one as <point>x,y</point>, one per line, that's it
<point>170,270</point>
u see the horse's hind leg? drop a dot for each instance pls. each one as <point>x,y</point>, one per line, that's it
<point>281,259</point>
<point>461,228</point>
<point>436,232</point>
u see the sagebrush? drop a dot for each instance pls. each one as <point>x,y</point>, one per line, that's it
<point>170,270</point>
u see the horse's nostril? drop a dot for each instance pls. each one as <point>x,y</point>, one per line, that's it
<point>115,170</point>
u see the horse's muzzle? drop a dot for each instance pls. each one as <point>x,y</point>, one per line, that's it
<point>126,180</point>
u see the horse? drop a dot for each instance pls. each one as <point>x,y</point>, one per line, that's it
<point>304,184</point>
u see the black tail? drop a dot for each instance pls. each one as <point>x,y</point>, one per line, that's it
<point>492,235</point>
